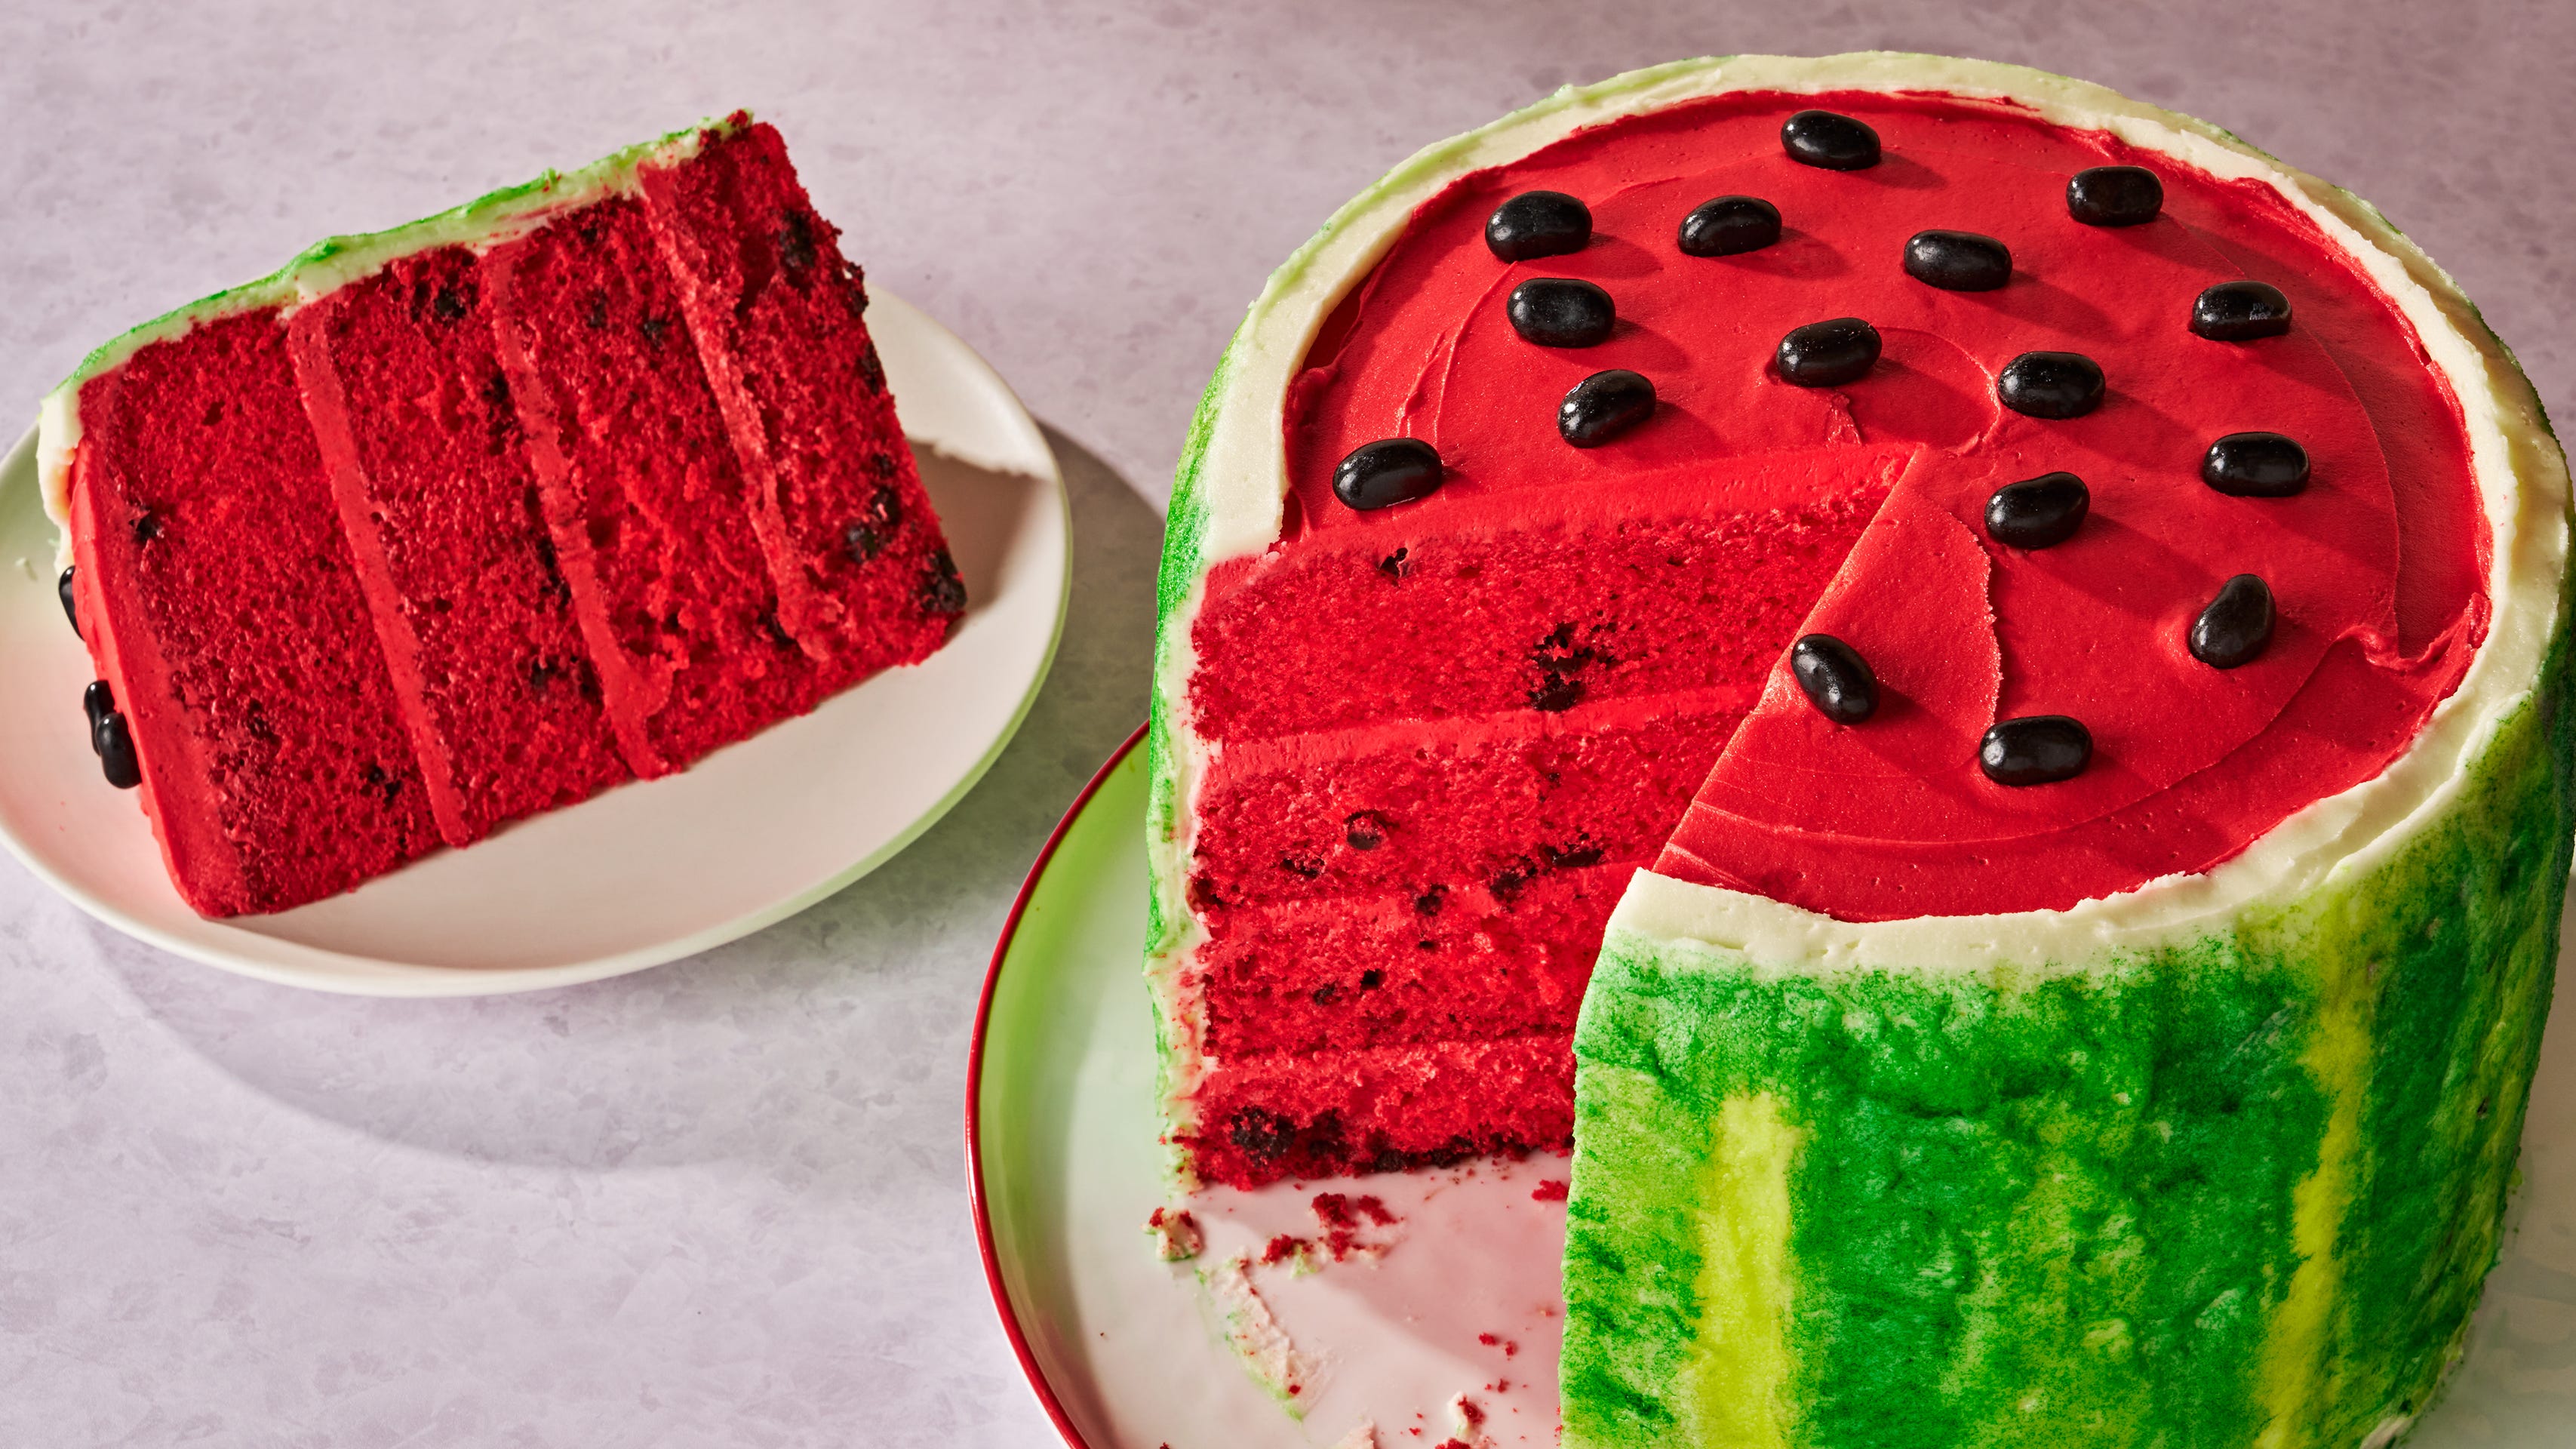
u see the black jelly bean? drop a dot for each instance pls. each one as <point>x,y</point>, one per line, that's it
<point>2236,625</point>
<point>1828,354</point>
<point>1835,142</point>
<point>1538,224</point>
<point>1387,472</point>
<point>2038,749</point>
<point>1837,681</point>
<point>2255,465</point>
<point>1726,225</point>
<point>2240,312</point>
<point>2051,384</point>
<point>1958,261</point>
<point>1561,312</point>
<point>2038,512</point>
<point>2114,196</point>
<point>115,746</point>
<point>63,587</point>
<point>98,702</point>
<point>1603,406</point>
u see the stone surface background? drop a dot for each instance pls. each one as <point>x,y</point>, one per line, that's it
<point>722,1202</point>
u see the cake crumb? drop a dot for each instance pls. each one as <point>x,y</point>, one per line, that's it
<point>1176,1234</point>
<point>1549,1189</point>
<point>1363,1437</point>
<point>1342,1218</point>
<point>1288,1248</point>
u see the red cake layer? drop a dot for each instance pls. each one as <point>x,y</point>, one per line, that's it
<point>864,578</point>
<point>1446,964</point>
<point>487,529</point>
<point>1382,1111</point>
<point>1491,804</point>
<point>643,489</point>
<point>1678,581</point>
<point>413,415</point>
<point>221,603</point>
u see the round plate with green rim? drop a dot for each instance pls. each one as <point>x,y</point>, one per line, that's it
<point>1456,1298</point>
<point>644,873</point>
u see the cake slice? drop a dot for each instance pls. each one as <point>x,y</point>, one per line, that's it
<point>442,526</point>
<point>2102,594</point>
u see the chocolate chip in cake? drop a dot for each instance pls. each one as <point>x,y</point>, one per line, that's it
<point>1561,312</point>
<point>2038,749</point>
<point>653,327</point>
<point>2236,625</point>
<point>1365,829</point>
<point>942,592</point>
<point>1538,224</point>
<point>2051,385</point>
<point>2255,465</point>
<point>2038,512</point>
<point>795,242</point>
<point>866,536</point>
<point>1261,1133</point>
<point>1958,261</point>
<point>1603,406</point>
<point>2114,196</point>
<point>63,590</point>
<point>1387,472</point>
<point>1726,225</point>
<point>2240,312</point>
<point>1372,979</point>
<point>1829,353</point>
<point>1836,679</point>
<point>1832,141</point>
<point>1556,694</point>
<point>115,746</point>
<point>147,526</point>
<point>447,306</point>
<point>1394,566</point>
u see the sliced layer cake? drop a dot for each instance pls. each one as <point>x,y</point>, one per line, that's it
<point>445,525</point>
<point>2069,615</point>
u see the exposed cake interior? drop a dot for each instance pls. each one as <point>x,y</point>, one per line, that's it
<point>444,526</point>
<point>1432,740</point>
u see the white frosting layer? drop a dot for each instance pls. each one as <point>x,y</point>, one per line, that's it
<point>326,267</point>
<point>2521,477</point>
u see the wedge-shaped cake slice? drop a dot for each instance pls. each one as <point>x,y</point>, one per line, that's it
<point>445,525</point>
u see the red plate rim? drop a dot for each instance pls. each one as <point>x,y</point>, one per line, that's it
<point>974,1095</point>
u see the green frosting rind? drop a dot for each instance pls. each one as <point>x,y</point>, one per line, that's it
<point>2065,1206</point>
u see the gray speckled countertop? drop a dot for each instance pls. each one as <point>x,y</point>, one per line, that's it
<point>722,1202</point>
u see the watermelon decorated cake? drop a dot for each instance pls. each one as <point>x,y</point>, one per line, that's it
<point>442,526</point>
<point>1956,679</point>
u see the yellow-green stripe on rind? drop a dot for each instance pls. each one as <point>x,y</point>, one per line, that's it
<point>2237,1190</point>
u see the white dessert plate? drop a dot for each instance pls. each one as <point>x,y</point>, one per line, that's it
<point>1458,1296</point>
<point>646,872</point>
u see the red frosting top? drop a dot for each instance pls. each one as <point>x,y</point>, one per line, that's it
<point>2378,567</point>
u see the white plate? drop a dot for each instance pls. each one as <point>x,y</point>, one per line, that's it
<point>1126,1352</point>
<point>646,872</point>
